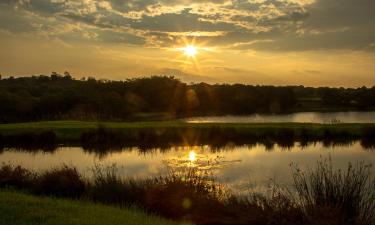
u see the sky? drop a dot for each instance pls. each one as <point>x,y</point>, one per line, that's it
<point>266,42</point>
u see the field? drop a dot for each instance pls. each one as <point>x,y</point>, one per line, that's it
<point>21,209</point>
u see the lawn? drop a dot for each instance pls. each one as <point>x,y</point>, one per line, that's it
<point>21,209</point>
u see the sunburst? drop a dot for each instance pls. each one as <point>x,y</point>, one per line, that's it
<point>190,50</point>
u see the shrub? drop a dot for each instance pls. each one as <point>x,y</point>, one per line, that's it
<point>61,182</point>
<point>16,176</point>
<point>186,195</point>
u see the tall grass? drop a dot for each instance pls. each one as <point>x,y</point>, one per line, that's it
<point>16,176</point>
<point>324,195</point>
<point>336,196</point>
<point>60,182</point>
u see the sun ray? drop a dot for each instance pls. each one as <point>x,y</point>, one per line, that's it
<point>191,52</point>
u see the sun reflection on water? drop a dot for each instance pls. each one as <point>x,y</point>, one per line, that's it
<point>192,156</point>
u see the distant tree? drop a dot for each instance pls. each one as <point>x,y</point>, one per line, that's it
<point>67,75</point>
<point>62,97</point>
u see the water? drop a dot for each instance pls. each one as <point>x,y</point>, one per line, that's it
<point>303,117</point>
<point>239,168</point>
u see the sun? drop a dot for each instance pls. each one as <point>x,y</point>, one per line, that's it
<point>190,50</point>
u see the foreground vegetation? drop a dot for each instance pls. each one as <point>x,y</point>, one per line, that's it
<point>17,208</point>
<point>321,196</point>
<point>58,97</point>
<point>146,135</point>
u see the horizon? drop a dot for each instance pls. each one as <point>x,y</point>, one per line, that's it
<point>259,42</point>
<point>101,79</point>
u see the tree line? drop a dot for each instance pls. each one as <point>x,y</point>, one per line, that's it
<point>58,97</point>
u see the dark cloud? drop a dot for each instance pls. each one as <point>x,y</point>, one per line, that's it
<point>45,6</point>
<point>328,14</point>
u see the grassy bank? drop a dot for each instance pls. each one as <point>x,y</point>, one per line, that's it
<point>168,133</point>
<point>72,129</point>
<point>321,196</point>
<point>20,209</point>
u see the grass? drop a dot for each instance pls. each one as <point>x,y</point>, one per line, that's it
<point>177,132</point>
<point>342,197</point>
<point>20,209</point>
<point>322,196</point>
<point>63,128</point>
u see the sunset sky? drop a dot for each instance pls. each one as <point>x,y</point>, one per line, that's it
<point>278,42</point>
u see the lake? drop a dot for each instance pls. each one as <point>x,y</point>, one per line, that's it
<point>302,117</point>
<point>241,168</point>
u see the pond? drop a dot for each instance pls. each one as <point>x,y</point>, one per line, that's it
<point>240,168</point>
<point>302,117</point>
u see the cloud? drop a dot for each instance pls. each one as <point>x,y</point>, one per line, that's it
<point>180,22</point>
<point>263,25</point>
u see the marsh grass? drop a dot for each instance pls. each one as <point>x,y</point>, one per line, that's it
<point>329,196</point>
<point>63,181</point>
<point>324,195</point>
<point>16,176</point>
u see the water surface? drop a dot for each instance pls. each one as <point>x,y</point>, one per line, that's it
<point>240,168</point>
<point>302,117</point>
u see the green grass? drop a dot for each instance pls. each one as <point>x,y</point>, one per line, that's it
<point>72,130</point>
<point>21,209</point>
<point>83,125</point>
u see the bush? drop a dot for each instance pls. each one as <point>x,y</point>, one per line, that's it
<point>188,196</point>
<point>61,182</point>
<point>16,176</point>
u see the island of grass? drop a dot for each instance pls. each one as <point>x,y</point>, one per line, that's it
<point>161,133</point>
<point>17,208</point>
